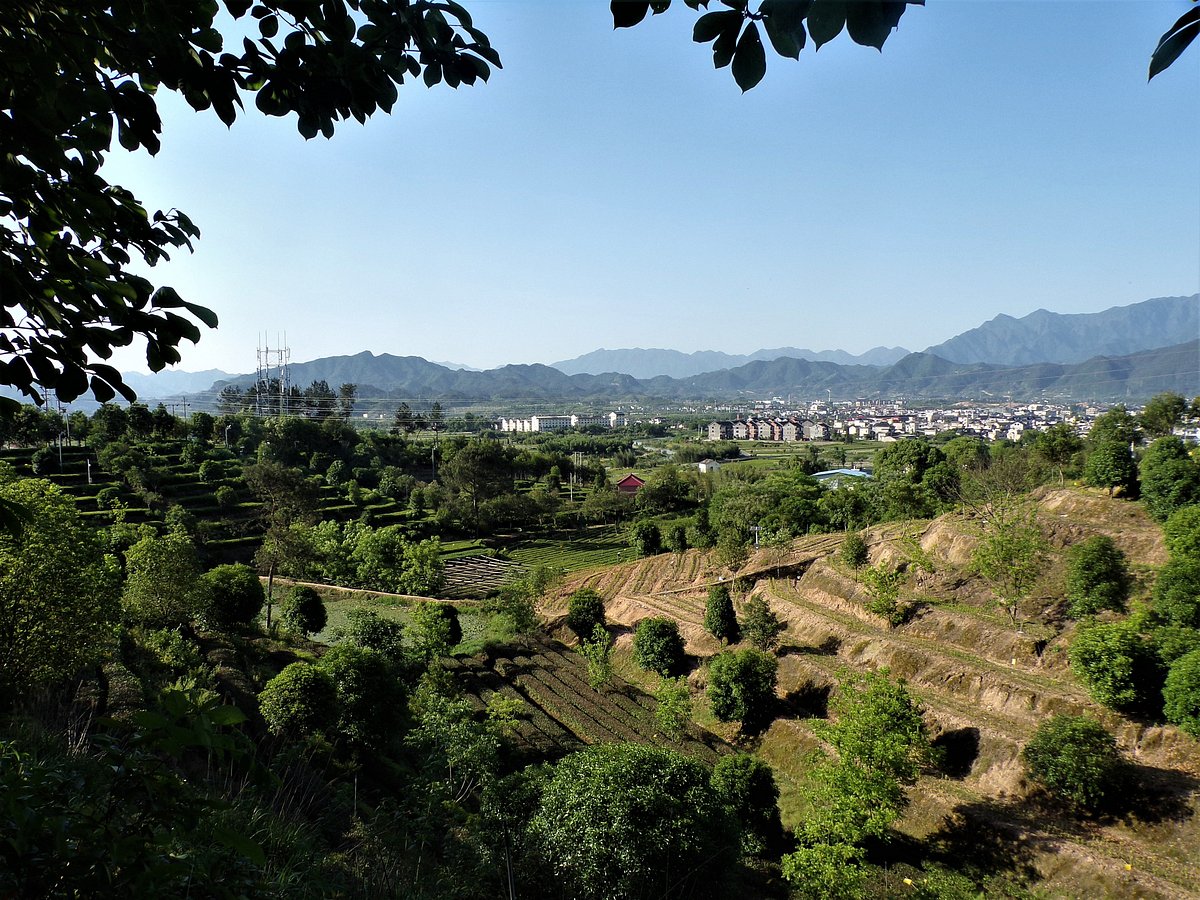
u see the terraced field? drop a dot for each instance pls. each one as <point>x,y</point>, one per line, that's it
<point>985,684</point>
<point>579,550</point>
<point>561,712</point>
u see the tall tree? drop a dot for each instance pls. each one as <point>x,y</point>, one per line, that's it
<point>1162,414</point>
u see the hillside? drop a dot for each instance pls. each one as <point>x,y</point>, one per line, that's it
<point>985,685</point>
<point>651,363</point>
<point>1044,336</point>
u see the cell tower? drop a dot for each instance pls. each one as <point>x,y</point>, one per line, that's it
<point>273,364</point>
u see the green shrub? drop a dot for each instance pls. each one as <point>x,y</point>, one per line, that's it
<point>303,610</point>
<point>435,629</point>
<point>646,539</point>
<point>1076,759</point>
<point>585,610</point>
<point>1182,533</point>
<point>366,628</point>
<point>760,626</point>
<point>598,653</point>
<point>1118,666</point>
<point>674,709</point>
<point>657,645</point>
<point>233,596</point>
<point>300,700</point>
<point>369,697</point>
<point>1181,693</point>
<point>1097,577</point>
<point>741,687</point>
<point>1177,593</point>
<point>746,785</point>
<point>226,497</point>
<point>719,617</point>
<point>854,551</point>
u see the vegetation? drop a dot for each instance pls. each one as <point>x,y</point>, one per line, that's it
<point>597,650</point>
<point>585,611</point>
<point>1076,759</point>
<point>1181,693</point>
<point>658,646</point>
<point>741,687</point>
<point>303,611</point>
<point>719,618</point>
<point>1097,577</point>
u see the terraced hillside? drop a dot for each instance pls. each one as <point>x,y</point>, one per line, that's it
<point>985,683</point>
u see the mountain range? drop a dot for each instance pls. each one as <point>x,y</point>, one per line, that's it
<point>1129,352</point>
<point>648,363</point>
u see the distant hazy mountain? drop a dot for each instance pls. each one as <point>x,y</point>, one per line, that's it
<point>650,363</point>
<point>171,383</point>
<point>1050,337</point>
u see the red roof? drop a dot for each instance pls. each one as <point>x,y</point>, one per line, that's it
<point>630,483</point>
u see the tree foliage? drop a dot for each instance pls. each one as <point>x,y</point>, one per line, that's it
<point>760,626</point>
<point>741,687</point>
<point>303,610</point>
<point>1075,758</point>
<point>597,651</point>
<point>1117,665</point>
<point>1010,555</point>
<point>58,594</point>
<point>1181,693</point>
<point>1182,533</point>
<point>1169,477</point>
<point>1097,577</point>
<point>673,711</point>
<point>630,821</point>
<point>585,610</point>
<point>162,583</point>
<point>658,646</point>
<point>719,617</point>
<point>232,596</point>
<point>746,785</point>
<point>76,75</point>
<point>299,701</point>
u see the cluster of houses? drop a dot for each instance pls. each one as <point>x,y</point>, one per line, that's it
<point>769,429</point>
<point>561,423</point>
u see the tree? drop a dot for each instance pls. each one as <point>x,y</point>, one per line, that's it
<point>1111,465</point>
<point>58,594</point>
<point>1177,592</point>
<point>1097,577</point>
<point>1075,758</point>
<point>367,628</point>
<point>657,645</point>
<point>71,242</point>
<point>597,651</point>
<point>746,785</point>
<point>481,470</point>
<point>1168,477</point>
<point>673,711</point>
<point>854,552</point>
<point>883,587</point>
<point>303,610</point>
<point>1162,414</point>
<point>645,538</point>
<point>162,583</point>
<point>369,698</point>
<point>1010,555</point>
<point>1117,665</point>
<point>760,626</point>
<point>233,596</point>
<point>299,701</point>
<point>741,687</point>
<point>1181,693</point>
<point>1117,426</point>
<point>1182,533</point>
<point>347,396</point>
<point>631,821</point>
<point>436,630</point>
<point>1058,445</point>
<point>676,539</point>
<point>585,610</point>
<point>719,617</point>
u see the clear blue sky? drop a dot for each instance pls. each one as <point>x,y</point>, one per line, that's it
<point>611,189</point>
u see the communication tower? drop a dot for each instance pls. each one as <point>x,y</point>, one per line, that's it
<point>273,365</point>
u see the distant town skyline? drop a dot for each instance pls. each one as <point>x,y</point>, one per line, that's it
<point>610,189</point>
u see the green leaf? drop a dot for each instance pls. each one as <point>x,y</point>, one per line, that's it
<point>725,45</point>
<point>870,23</point>
<point>241,844</point>
<point>784,22</point>
<point>1175,40</point>
<point>627,13</point>
<point>710,25</point>
<point>750,60</point>
<point>269,27</point>
<point>203,313</point>
<point>826,20</point>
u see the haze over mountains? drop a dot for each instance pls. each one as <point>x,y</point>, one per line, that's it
<point>1129,352</point>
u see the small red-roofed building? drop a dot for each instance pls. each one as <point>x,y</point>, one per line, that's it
<point>630,484</point>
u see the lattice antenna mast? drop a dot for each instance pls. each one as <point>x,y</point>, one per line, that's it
<point>273,364</point>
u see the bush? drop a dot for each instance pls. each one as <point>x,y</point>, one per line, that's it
<point>368,695</point>
<point>1076,759</point>
<point>367,628</point>
<point>674,709</point>
<point>226,497</point>
<point>435,629</point>
<point>210,471</point>
<point>44,461</point>
<point>760,626</point>
<point>741,687</point>
<point>300,700</point>
<point>719,618</point>
<point>598,653</point>
<point>625,820</point>
<point>1097,577</point>
<point>746,785</point>
<point>854,551</point>
<point>1119,668</point>
<point>585,610</point>
<point>657,646</point>
<point>1182,532</point>
<point>1177,593</point>
<point>233,596</point>
<point>677,539</point>
<point>303,611</point>
<point>1181,694</point>
<point>646,539</point>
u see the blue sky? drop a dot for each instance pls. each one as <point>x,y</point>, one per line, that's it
<point>611,189</point>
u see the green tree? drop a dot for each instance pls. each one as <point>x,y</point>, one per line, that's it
<point>741,687</point>
<point>585,610</point>
<point>162,582</point>
<point>1118,666</point>
<point>631,821</point>
<point>1177,593</point>
<point>1058,445</point>
<point>299,701</point>
<point>1181,693</point>
<point>645,538</point>
<point>232,596</point>
<point>435,629</point>
<point>1182,533</point>
<point>831,871</point>
<point>657,645</point>
<point>719,617</point>
<point>746,785</point>
<point>1116,426</point>
<point>673,711</point>
<point>1162,414</point>
<point>481,470</point>
<point>303,610</point>
<point>760,626</point>
<point>58,594</point>
<point>883,587</point>
<point>1075,758</point>
<point>369,698</point>
<point>854,552</point>
<point>367,628</point>
<point>597,651</point>
<point>1110,465</point>
<point>676,539</point>
<point>1010,554</point>
<point>73,73</point>
<point>1168,478</point>
<point>1097,577</point>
